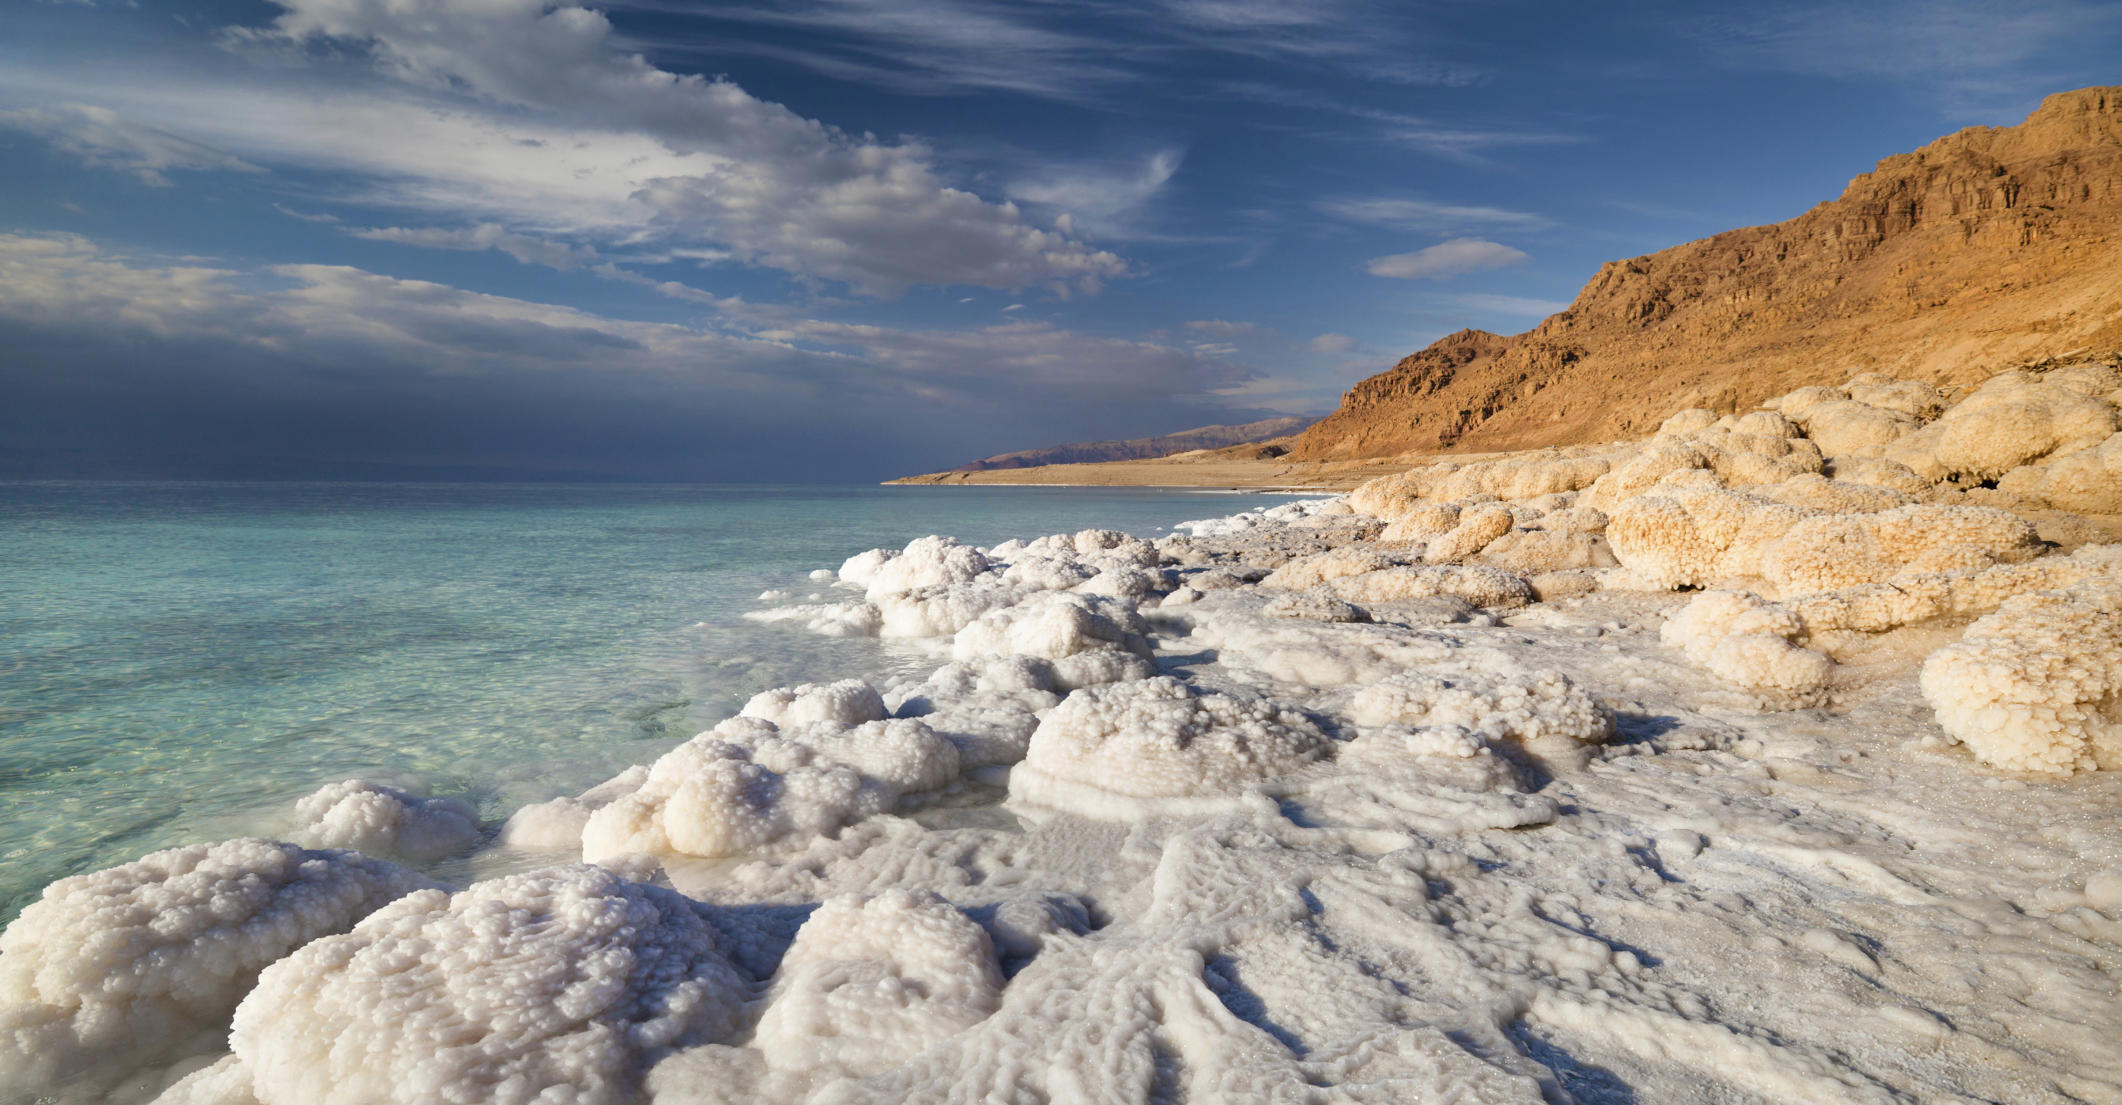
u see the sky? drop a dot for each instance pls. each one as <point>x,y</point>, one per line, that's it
<point>842,240</point>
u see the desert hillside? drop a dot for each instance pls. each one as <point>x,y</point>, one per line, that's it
<point>1986,247</point>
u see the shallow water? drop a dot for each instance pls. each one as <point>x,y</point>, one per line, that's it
<point>180,661</point>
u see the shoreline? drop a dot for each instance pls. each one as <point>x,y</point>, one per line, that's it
<point>1508,776</point>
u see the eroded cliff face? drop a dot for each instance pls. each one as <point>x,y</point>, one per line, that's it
<point>1992,245</point>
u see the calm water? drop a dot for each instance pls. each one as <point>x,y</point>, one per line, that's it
<point>180,661</point>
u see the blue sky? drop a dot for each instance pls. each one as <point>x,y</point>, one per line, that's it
<point>847,239</point>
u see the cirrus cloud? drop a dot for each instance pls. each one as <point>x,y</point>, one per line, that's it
<point>1447,258</point>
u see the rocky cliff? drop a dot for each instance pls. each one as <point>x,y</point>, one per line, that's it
<point>1989,246</point>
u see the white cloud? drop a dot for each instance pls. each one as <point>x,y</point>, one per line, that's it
<point>100,137</point>
<point>1332,344</point>
<point>1445,259</point>
<point>526,248</point>
<point>1402,213</point>
<point>1104,200</point>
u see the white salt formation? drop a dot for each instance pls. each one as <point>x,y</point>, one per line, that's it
<point>2037,685</point>
<point>385,821</point>
<point>869,984</point>
<point>1159,740</point>
<point>1437,792</point>
<point>140,963</point>
<point>563,985</point>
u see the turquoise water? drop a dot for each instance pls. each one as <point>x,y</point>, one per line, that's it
<point>179,662</point>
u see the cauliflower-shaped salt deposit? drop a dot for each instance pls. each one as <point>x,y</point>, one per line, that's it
<point>1310,571</point>
<point>1690,537</point>
<point>1746,640</point>
<point>2037,685</point>
<point>747,783</point>
<point>849,702</point>
<point>987,708</point>
<point>869,983</point>
<point>1158,739</point>
<point>1475,529</point>
<point>1531,708</point>
<point>1061,626</point>
<point>2014,419</point>
<point>1824,553</point>
<point>561,985</point>
<point>2088,481</point>
<point>149,958</point>
<point>925,562</point>
<point>380,820</point>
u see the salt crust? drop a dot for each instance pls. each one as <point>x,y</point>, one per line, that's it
<point>149,959</point>
<point>385,821</point>
<point>871,982</point>
<point>562,985</point>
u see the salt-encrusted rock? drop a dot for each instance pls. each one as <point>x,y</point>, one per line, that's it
<point>139,962</point>
<point>1530,708</point>
<point>2037,685</point>
<point>869,983</point>
<point>1311,571</point>
<point>1061,627</point>
<point>1483,586</point>
<point>1691,537</point>
<point>1825,553</point>
<point>1316,606</point>
<point>1475,529</point>
<point>1746,640</point>
<point>559,985</point>
<point>2088,481</point>
<point>1158,739</point>
<point>925,562</point>
<point>385,821</point>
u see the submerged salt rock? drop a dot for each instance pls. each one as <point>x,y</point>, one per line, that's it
<point>381,820</point>
<point>2037,685</point>
<point>871,982</point>
<point>140,962</point>
<point>556,825</point>
<point>1159,739</point>
<point>558,985</point>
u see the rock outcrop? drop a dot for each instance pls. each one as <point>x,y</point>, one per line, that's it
<point>1987,247</point>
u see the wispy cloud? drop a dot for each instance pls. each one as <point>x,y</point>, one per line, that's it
<point>1511,304</point>
<point>1980,59</point>
<point>1102,200</point>
<point>529,249</point>
<point>104,139</point>
<point>1445,259</point>
<point>1409,213</point>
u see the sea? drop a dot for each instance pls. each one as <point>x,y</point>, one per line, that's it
<point>180,662</point>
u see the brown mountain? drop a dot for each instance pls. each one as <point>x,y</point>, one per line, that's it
<point>1144,448</point>
<point>1989,246</point>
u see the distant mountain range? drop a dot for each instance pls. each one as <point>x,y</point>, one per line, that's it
<point>1986,247</point>
<point>1143,448</point>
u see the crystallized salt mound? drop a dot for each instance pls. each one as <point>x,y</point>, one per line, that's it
<point>1529,552</point>
<point>1493,588</point>
<point>1158,739</point>
<point>1834,496</point>
<point>148,959</point>
<point>1314,606</point>
<point>987,708</point>
<point>380,820</point>
<point>1061,626</point>
<point>1683,537</point>
<point>556,825</point>
<point>1877,472</point>
<point>1762,453</point>
<point>1844,427</point>
<point>1749,641</point>
<point>2088,481</point>
<point>747,783</point>
<point>944,609</point>
<point>1526,709</point>
<point>2015,419</point>
<point>2037,685</point>
<point>1825,553</point>
<point>1310,571</point>
<point>869,983</point>
<point>561,985</point>
<point>849,702</point>
<point>925,562</point>
<point>1476,528</point>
